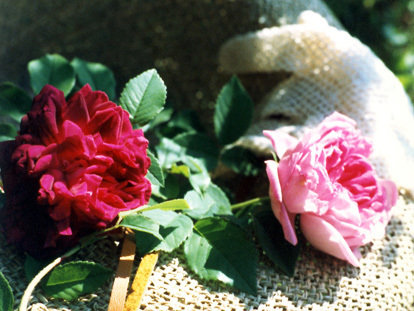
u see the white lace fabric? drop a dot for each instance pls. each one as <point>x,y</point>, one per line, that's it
<point>331,70</point>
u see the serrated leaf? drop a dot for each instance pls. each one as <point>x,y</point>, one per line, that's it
<point>222,204</point>
<point>144,97</point>
<point>155,174</point>
<point>174,229</point>
<point>14,102</point>
<point>6,294</point>
<point>233,113</point>
<point>139,222</point>
<point>211,202</point>
<point>51,69</point>
<point>219,250</point>
<point>98,76</point>
<point>270,236</point>
<point>199,177</point>
<point>76,278</point>
<point>242,161</point>
<point>162,117</point>
<point>169,152</point>
<point>199,146</point>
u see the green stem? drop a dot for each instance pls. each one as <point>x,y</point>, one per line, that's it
<point>92,238</point>
<point>248,203</point>
<point>30,288</point>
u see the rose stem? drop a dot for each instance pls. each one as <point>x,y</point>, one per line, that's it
<point>30,288</point>
<point>248,203</point>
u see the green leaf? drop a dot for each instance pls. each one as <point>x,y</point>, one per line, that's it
<point>199,146</point>
<point>98,76</point>
<point>220,250</point>
<point>14,102</point>
<point>199,178</point>
<point>171,189</point>
<point>171,205</point>
<point>233,113</point>
<point>270,236</point>
<point>7,131</point>
<point>139,222</point>
<point>51,69</point>
<point>33,266</point>
<point>183,121</point>
<point>173,227</point>
<point>211,202</point>
<point>76,278</point>
<point>144,97</point>
<point>162,117</point>
<point>242,161</point>
<point>155,174</point>
<point>221,203</point>
<point>180,169</point>
<point>169,152</point>
<point>6,294</point>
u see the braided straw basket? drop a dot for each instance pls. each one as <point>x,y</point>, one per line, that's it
<point>384,280</point>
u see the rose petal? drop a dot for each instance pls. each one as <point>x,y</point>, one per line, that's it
<point>391,193</point>
<point>286,219</point>
<point>281,141</point>
<point>323,236</point>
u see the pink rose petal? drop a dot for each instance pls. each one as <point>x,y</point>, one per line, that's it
<point>323,236</point>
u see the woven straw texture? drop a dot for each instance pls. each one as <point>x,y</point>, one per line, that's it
<point>328,70</point>
<point>383,282</point>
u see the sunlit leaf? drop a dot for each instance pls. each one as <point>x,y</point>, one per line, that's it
<point>155,174</point>
<point>210,202</point>
<point>139,222</point>
<point>76,278</point>
<point>144,97</point>
<point>173,227</point>
<point>219,250</point>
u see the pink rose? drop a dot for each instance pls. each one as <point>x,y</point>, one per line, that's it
<point>73,167</point>
<point>326,177</point>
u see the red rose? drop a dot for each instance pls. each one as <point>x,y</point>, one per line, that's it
<point>73,167</point>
